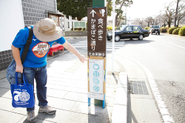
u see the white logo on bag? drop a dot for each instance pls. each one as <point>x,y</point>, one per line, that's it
<point>22,96</point>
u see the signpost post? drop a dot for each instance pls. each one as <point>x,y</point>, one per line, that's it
<point>97,26</point>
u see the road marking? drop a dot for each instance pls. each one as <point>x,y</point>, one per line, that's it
<point>175,45</point>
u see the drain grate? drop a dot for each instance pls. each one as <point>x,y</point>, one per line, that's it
<point>138,87</point>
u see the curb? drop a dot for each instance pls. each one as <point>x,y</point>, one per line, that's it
<point>162,108</point>
<point>119,114</point>
<point>172,35</point>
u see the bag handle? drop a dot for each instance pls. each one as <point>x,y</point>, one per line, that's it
<point>25,81</point>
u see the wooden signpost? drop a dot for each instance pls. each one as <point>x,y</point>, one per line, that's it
<point>97,24</point>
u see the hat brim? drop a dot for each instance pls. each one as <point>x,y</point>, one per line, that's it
<point>47,38</point>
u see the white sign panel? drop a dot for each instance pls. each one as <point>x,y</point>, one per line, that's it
<point>96,78</point>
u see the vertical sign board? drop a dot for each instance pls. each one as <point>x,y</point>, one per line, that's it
<point>97,24</point>
<point>96,78</point>
<point>97,28</point>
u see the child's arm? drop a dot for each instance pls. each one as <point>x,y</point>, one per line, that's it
<point>73,50</point>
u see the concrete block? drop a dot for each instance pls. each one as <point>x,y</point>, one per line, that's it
<point>9,117</point>
<point>119,114</point>
<point>6,104</point>
<point>121,96</point>
<point>120,106</point>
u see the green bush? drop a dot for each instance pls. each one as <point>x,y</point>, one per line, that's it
<point>176,31</point>
<point>182,31</point>
<point>170,30</point>
<point>78,29</point>
<point>163,29</point>
<point>147,28</point>
<point>109,27</point>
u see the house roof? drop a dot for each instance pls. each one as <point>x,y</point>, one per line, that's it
<point>56,13</point>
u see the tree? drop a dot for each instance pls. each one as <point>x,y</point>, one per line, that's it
<point>149,20</point>
<point>157,20</point>
<point>169,13</point>
<point>119,11</point>
<point>109,7</point>
<point>75,8</point>
<point>164,20</point>
<point>140,20</point>
<point>180,15</point>
<point>176,13</point>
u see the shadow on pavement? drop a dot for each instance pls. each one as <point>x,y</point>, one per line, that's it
<point>130,118</point>
<point>96,114</point>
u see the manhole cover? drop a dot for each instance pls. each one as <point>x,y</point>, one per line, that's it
<point>138,87</point>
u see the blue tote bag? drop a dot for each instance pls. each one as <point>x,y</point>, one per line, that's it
<point>22,93</point>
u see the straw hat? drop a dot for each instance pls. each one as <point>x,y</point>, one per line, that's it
<point>46,30</point>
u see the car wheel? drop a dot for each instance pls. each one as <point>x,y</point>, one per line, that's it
<point>140,37</point>
<point>108,39</point>
<point>117,38</point>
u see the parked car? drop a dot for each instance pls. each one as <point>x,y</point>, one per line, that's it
<point>128,31</point>
<point>155,29</point>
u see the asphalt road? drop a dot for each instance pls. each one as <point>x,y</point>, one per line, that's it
<point>164,56</point>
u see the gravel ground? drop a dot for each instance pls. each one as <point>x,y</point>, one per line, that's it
<point>173,95</point>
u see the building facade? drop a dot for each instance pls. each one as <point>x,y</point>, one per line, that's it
<point>15,15</point>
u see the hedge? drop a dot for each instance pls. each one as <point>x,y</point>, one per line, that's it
<point>182,31</point>
<point>176,31</point>
<point>163,29</point>
<point>109,27</point>
<point>147,28</point>
<point>171,30</point>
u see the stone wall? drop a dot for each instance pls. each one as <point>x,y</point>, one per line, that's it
<point>5,59</point>
<point>35,10</point>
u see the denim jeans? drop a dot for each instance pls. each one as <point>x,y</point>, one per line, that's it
<point>40,75</point>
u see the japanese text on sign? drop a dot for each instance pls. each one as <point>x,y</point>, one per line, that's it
<point>97,31</point>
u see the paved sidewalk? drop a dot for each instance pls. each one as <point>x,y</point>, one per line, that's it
<point>67,92</point>
<point>183,37</point>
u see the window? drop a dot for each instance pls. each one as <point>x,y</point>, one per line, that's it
<point>128,28</point>
<point>136,28</point>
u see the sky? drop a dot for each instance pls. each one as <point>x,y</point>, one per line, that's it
<point>146,8</point>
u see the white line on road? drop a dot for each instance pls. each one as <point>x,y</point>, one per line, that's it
<point>175,45</point>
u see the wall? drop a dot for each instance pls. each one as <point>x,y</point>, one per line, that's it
<point>11,21</point>
<point>15,14</point>
<point>35,10</point>
<point>68,23</point>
